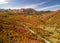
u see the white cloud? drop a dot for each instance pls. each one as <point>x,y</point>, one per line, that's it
<point>34,5</point>
<point>3,2</point>
<point>49,8</point>
<point>28,6</point>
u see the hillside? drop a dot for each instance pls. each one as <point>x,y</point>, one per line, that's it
<point>29,26</point>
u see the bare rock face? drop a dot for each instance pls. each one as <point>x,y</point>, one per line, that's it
<point>24,11</point>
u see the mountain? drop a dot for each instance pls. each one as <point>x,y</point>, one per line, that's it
<point>29,11</point>
<point>24,11</point>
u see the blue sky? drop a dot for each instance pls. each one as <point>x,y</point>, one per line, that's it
<point>35,4</point>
